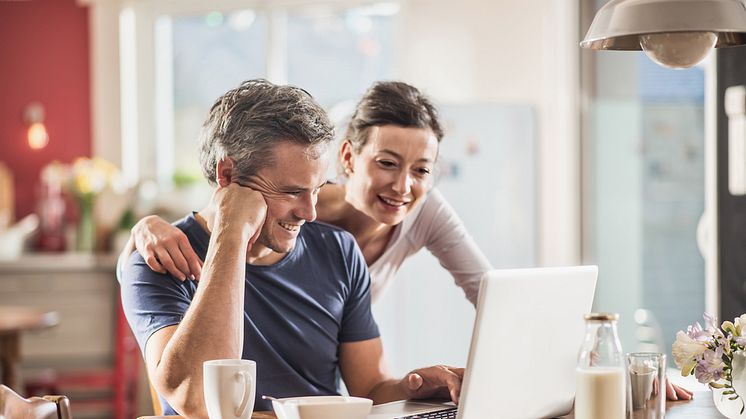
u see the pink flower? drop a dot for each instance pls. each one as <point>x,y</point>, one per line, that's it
<point>710,366</point>
<point>696,332</point>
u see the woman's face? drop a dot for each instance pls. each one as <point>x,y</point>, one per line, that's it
<point>392,173</point>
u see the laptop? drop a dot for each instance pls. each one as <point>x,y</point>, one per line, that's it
<point>527,333</point>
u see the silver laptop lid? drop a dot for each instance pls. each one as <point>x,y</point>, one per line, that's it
<point>527,332</point>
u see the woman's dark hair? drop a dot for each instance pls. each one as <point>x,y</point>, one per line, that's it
<point>391,103</point>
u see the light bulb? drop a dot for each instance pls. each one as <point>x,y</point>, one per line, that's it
<point>37,136</point>
<point>678,49</point>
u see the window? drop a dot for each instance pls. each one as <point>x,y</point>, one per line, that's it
<point>208,55</point>
<point>335,53</point>
<point>644,191</point>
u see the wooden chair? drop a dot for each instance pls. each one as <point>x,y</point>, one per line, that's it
<point>157,408</point>
<point>13,406</point>
<point>113,389</point>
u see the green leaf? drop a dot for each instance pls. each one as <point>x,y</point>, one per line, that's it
<point>717,385</point>
<point>733,398</point>
<point>726,392</point>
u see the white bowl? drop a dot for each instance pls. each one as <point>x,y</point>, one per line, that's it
<point>322,407</point>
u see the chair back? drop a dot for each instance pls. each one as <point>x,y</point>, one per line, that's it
<point>157,408</point>
<point>48,407</point>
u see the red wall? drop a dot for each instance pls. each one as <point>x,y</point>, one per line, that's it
<point>43,58</point>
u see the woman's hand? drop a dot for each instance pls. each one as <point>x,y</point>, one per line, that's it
<point>166,249</point>
<point>674,392</point>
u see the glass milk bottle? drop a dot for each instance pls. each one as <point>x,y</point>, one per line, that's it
<point>601,390</point>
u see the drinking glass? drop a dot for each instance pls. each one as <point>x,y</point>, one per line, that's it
<point>646,375</point>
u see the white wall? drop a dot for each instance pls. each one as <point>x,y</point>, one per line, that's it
<point>507,51</point>
<point>474,50</point>
<point>515,51</point>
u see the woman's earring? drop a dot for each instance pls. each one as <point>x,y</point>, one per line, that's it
<point>347,171</point>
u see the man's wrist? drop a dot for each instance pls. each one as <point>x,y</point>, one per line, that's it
<point>227,232</point>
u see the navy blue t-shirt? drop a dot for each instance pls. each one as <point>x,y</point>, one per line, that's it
<point>296,312</point>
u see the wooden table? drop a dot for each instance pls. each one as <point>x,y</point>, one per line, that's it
<point>255,415</point>
<point>14,321</point>
<point>701,407</point>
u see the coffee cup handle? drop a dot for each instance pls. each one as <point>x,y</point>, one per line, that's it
<point>247,384</point>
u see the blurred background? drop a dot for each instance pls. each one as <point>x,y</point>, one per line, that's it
<point>552,156</point>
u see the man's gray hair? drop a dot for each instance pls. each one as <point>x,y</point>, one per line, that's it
<point>246,123</point>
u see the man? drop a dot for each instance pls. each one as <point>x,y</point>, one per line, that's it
<point>291,294</point>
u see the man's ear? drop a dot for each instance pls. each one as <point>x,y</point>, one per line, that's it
<point>345,157</point>
<point>224,172</point>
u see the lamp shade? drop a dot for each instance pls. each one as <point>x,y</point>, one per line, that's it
<point>619,24</point>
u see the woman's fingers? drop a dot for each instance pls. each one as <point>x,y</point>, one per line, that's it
<point>435,381</point>
<point>194,262</point>
<point>173,248</point>
<point>164,257</point>
<point>670,392</point>
<point>674,392</point>
<point>682,393</point>
<point>152,262</point>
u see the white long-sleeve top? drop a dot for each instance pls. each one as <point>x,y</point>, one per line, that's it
<point>435,226</point>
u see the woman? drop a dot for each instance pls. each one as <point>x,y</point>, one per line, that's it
<point>386,198</point>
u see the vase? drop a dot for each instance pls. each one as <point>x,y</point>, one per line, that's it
<point>732,408</point>
<point>86,237</point>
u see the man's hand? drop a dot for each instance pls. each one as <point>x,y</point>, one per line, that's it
<point>165,248</point>
<point>239,209</point>
<point>434,382</point>
<point>234,217</point>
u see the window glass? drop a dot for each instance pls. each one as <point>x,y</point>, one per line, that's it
<point>644,192</point>
<point>212,53</point>
<point>337,55</point>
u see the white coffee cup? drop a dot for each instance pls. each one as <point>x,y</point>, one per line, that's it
<point>230,388</point>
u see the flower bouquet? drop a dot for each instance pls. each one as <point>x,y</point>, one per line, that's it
<point>715,355</point>
<point>84,179</point>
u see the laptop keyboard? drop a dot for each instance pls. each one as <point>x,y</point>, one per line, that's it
<point>440,414</point>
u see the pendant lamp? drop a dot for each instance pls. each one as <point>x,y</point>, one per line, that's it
<point>673,33</point>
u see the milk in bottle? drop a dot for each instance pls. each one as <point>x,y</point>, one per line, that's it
<point>601,387</point>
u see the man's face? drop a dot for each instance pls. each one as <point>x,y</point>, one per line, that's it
<point>290,188</point>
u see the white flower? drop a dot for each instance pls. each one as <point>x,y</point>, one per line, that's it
<point>740,324</point>
<point>685,350</point>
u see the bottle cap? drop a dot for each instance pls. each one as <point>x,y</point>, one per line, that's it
<point>601,316</point>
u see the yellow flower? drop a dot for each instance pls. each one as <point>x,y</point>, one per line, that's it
<point>82,184</point>
<point>91,176</point>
